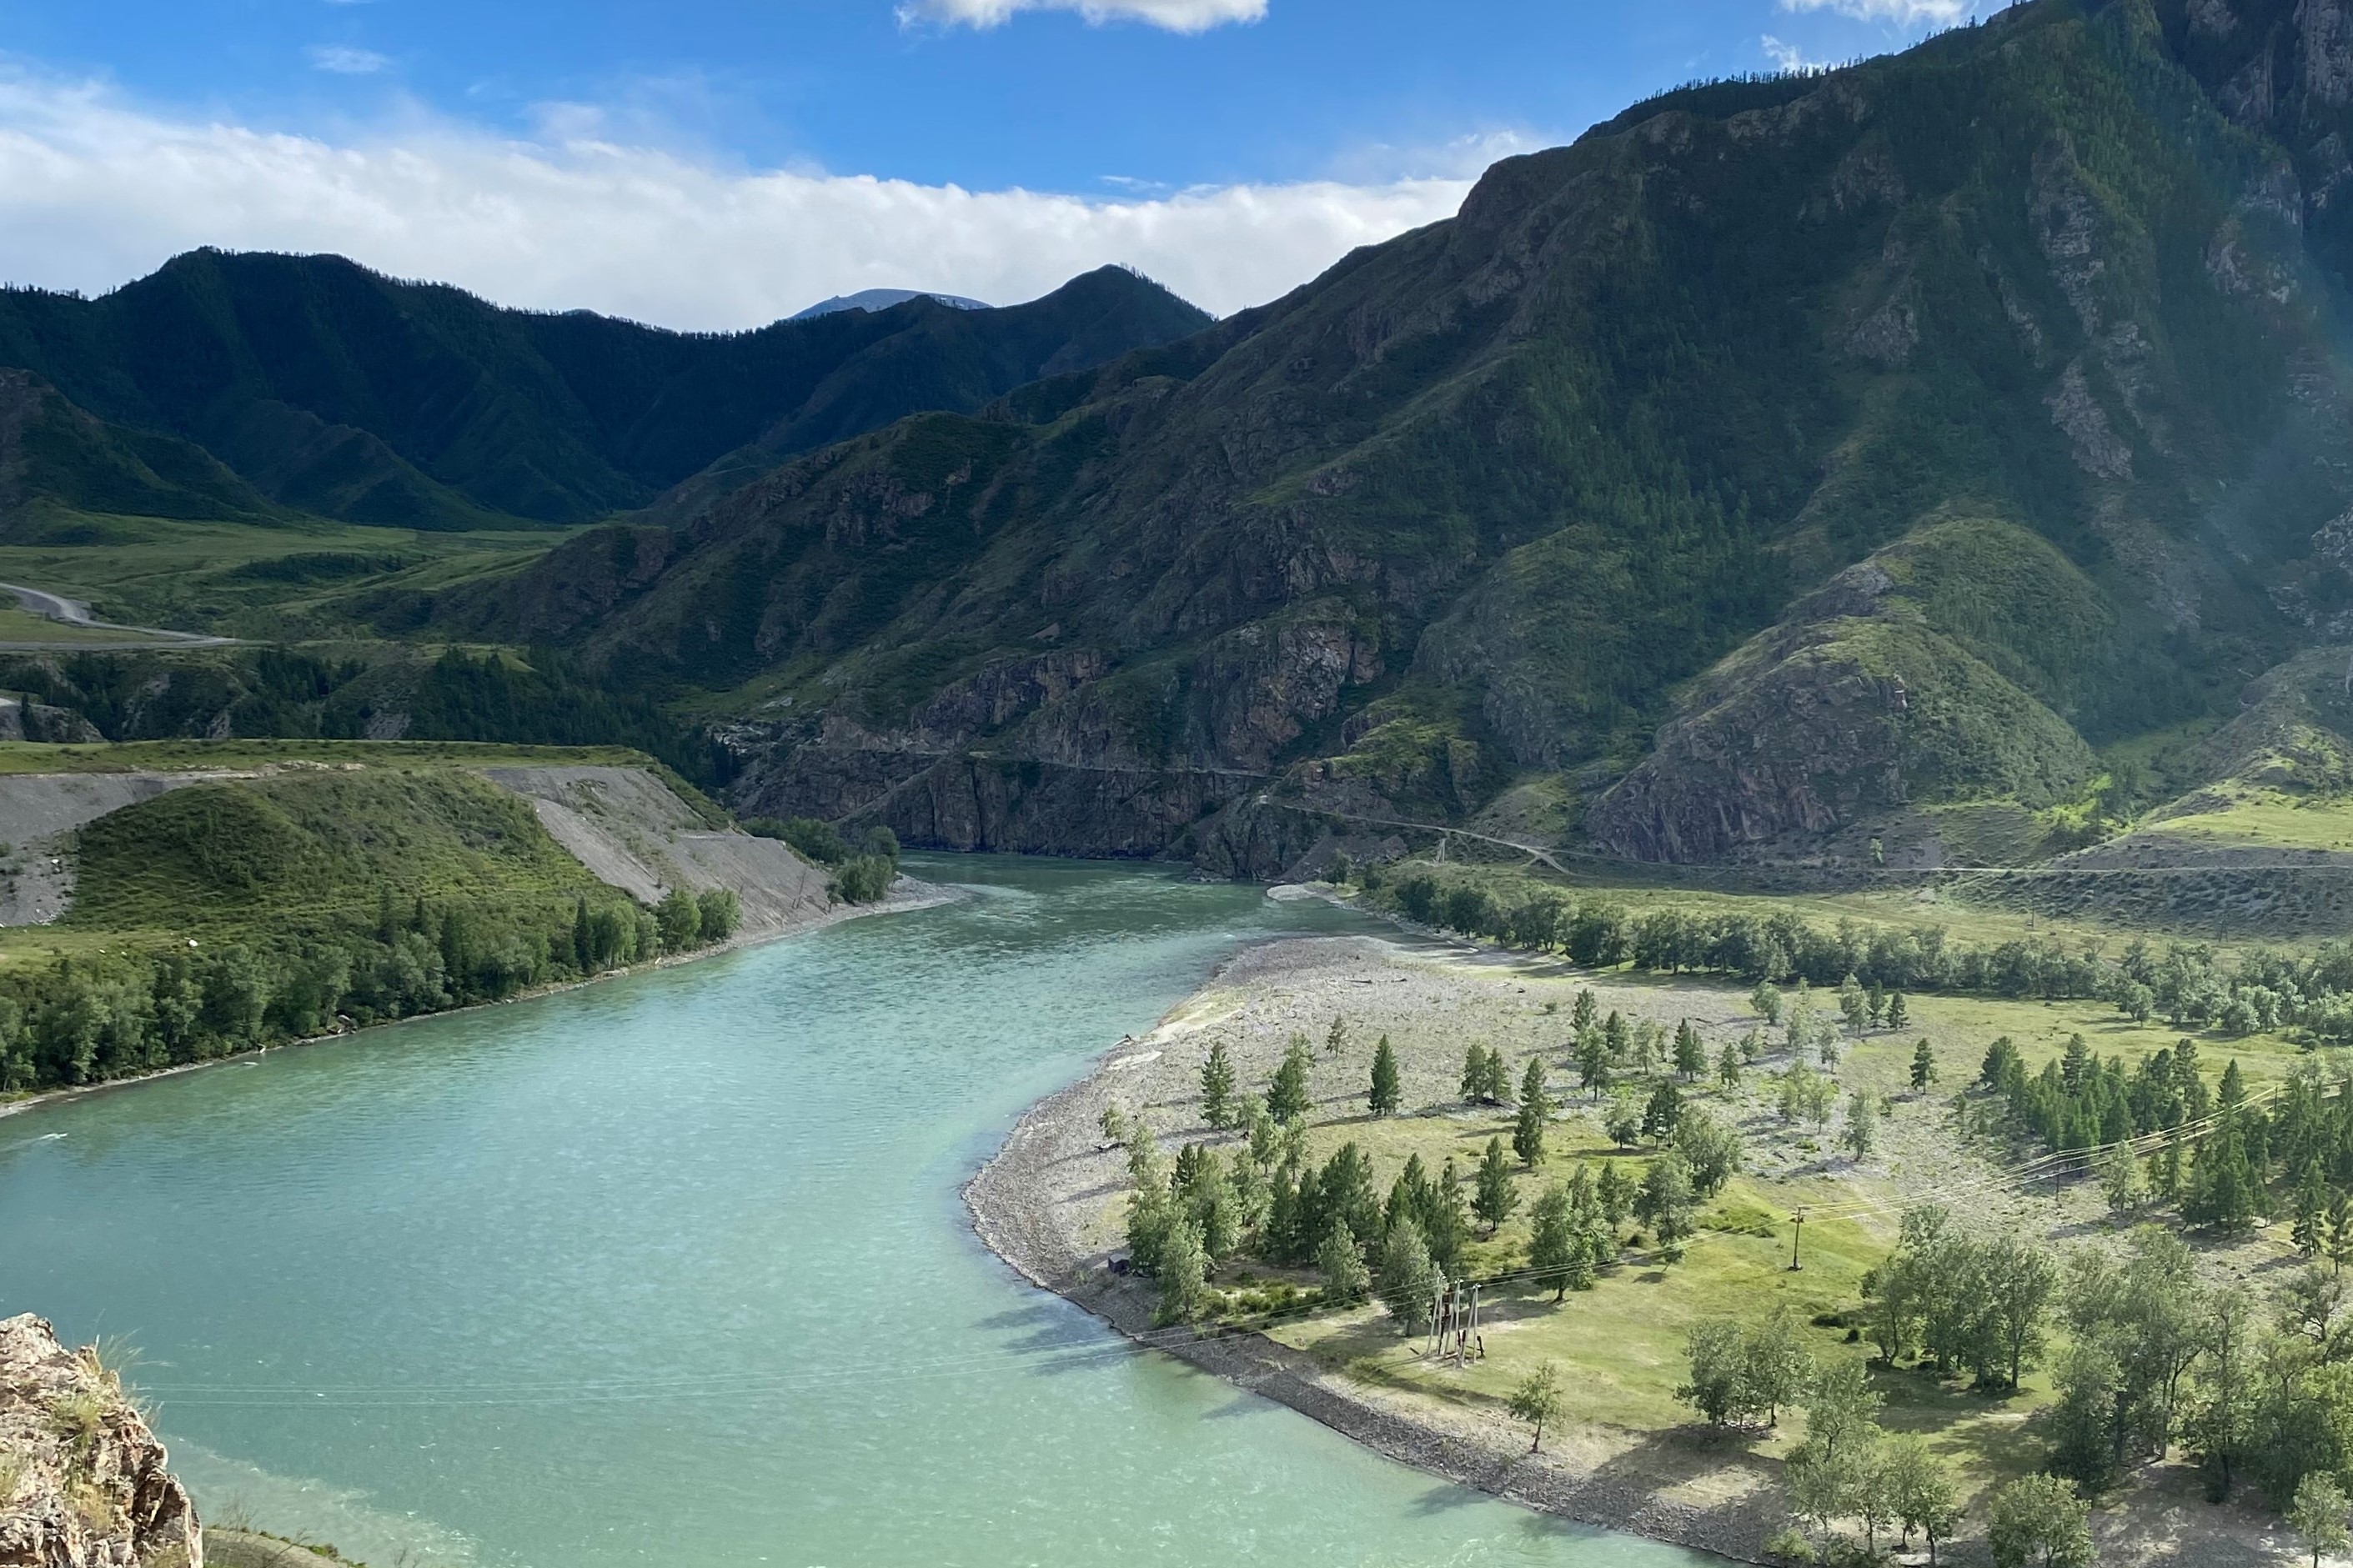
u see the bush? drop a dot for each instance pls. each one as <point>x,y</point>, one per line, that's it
<point>1789,1546</point>
<point>864,879</point>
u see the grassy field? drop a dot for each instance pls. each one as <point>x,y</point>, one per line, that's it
<point>2269,819</point>
<point>176,756</point>
<point>23,626</point>
<point>1621,1346</point>
<point>273,584</point>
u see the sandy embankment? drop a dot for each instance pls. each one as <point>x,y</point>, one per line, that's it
<point>1047,1204</point>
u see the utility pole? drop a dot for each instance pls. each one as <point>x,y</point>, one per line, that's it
<point>1797,1229</point>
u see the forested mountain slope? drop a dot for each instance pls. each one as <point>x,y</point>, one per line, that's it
<point>1992,389</point>
<point>334,391</point>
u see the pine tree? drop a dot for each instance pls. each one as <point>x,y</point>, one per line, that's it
<point>1554,1246</point>
<point>2340,1232</point>
<point>1765,1001</point>
<point>1854,1005</point>
<point>1664,1201</point>
<point>1496,1197</point>
<point>1385,1091</point>
<point>1617,1038</point>
<point>1336,1041</point>
<point>1529,1134</point>
<point>1899,1012</point>
<point>2311,1213</point>
<point>1663,1113</point>
<point>1499,1080</point>
<point>1923,1062</point>
<point>1474,1074</point>
<point>1217,1087</point>
<point>1581,1017</point>
<point>2077,1064</point>
<point>1861,1126</point>
<point>1691,1055</point>
<point>1286,1097</point>
<point>1410,1281</point>
<point>1342,1263</point>
<point>1592,1061</point>
<point>1614,1194</point>
<point>1445,1221</point>
<point>1727,1065</point>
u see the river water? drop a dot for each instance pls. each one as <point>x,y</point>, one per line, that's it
<point>672,1269</point>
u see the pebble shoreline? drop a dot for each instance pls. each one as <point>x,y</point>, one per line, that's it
<point>1030,1204</point>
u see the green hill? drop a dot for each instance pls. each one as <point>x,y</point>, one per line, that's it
<point>2030,318</point>
<point>337,392</point>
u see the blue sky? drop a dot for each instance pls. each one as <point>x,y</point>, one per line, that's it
<point>1232,146</point>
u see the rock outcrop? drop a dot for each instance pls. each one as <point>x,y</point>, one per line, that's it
<point>83,1482</point>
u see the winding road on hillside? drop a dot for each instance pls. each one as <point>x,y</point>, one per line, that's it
<point>74,613</point>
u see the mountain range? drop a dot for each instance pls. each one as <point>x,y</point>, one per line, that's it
<point>262,387</point>
<point>1810,467</point>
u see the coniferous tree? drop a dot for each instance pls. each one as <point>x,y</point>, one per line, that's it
<point>1664,1201</point>
<point>1727,1065</point>
<point>1473,1086</point>
<point>1554,1245</point>
<point>1663,1113</point>
<point>1899,1011</point>
<point>1286,1097</point>
<point>1854,1005</point>
<point>1446,1224</point>
<point>1217,1087</point>
<point>1497,1197</point>
<point>1184,1271</point>
<point>1341,1261</point>
<point>1592,1061</point>
<point>1582,1015</point>
<point>2311,1213</point>
<point>1410,1281</point>
<point>1617,1037</point>
<point>1335,1040</point>
<point>1614,1194</point>
<point>1536,1110</point>
<point>1861,1126</point>
<point>1386,1092</point>
<point>1924,1064</point>
<point>1691,1055</point>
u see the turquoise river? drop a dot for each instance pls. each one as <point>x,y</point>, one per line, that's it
<point>672,1269</point>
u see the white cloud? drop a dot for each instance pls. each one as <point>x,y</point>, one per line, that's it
<point>94,190</point>
<point>1177,16</point>
<point>1902,13</point>
<point>1787,57</point>
<point>345,60</point>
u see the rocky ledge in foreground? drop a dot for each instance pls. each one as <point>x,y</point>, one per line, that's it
<point>83,1482</point>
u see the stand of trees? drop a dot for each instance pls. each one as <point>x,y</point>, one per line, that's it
<point>87,1019</point>
<point>2184,984</point>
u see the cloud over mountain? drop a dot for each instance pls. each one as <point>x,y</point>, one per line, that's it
<point>94,190</point>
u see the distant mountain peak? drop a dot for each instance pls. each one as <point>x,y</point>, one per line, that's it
<point>883,299</point>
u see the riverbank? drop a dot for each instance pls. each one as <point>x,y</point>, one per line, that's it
<point>1052,1204</point>
<point>1049,1203</point>
<point>907,894</point>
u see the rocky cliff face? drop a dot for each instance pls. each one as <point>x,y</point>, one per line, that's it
<point>1550,488</point>
<point>83,1482</point>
